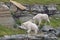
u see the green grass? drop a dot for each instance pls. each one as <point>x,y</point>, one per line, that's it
<point>36,1</point>
<point>9,31</point>
<point>55,22</point>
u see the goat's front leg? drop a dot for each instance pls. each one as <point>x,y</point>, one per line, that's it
<point>47,21</point>
<point>28,31</point>
<point>39,23</point>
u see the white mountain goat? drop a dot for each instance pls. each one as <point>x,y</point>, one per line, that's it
<point>40,17</point>
<point>29,26</point>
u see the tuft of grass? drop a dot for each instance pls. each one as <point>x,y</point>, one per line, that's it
<point>55,22</point>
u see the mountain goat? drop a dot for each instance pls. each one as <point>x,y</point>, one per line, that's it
<point>40,17</point>
<point>29,26</point>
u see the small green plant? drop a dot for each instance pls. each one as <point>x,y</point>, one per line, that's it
<point>19,22</point>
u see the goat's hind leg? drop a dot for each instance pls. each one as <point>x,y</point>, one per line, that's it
<point>36,31</point>
<point>48,21</point>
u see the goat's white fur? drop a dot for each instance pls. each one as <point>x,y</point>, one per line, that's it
<point>40,17</point>
<point>30,26</point>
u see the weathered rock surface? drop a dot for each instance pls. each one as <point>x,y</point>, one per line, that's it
<point>28,37</point>
<point>47,28</point>
<point>57,32</point>
<point>5,16</point>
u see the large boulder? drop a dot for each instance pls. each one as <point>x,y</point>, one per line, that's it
<point>5,16</point>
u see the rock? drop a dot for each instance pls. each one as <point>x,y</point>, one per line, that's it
<point>41,8</point>
<point>5,16</point>
<point>12,7</point>
<point>29,37</point>
<point>49,37</point>
<point>47,28</point>
<point>8,4</point>
<point>26,13</point>
<point>7,21</point>
<point>17,14</point>
<point>51,7</point>
<point>3,7</point>
<point>34,13</point>
<point>19,37</point>
<point>27,7</point>
<point>26,17</point>
<point>57,32</point>
<point>35,8</point>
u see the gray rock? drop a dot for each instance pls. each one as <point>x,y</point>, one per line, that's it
<point>47,28</point>
<point>35,8</point>
<point>26,13</point>
<point>51,7</point>
<point>29,37</point>
<point>8,4</point>
<point>5,16</point>
<point>49,37</point>
<point>26,17</point>
<point>27,7</point>
<point>19,37</point>
<point>41,8</point>
<point>34,13</point>
<point>57,32</point>
<point>3,7</point>
<point>11,6</point>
